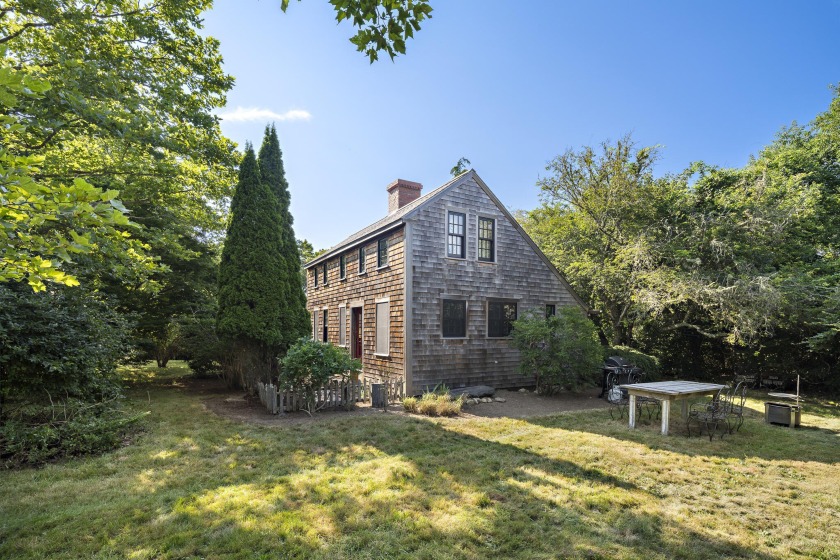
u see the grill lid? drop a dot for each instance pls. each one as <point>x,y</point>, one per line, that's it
<point>616,362</point>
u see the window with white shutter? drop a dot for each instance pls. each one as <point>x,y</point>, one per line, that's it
<point>383,327</point>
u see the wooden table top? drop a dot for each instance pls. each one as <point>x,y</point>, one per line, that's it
<point>673,388</point>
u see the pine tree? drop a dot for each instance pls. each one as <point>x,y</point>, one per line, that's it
<point>251,273</point>
<point>295,317</point>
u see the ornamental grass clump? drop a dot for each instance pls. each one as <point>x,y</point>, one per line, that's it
<point>434,404</point>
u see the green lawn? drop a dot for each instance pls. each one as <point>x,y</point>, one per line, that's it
<point>392,486</point>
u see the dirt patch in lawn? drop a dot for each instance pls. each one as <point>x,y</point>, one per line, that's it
<point>528,404</point>
<point>235,405</point>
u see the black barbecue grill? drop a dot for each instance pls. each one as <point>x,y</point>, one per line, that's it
<point>621,368</point>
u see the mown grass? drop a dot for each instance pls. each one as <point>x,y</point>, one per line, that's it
<point>391,486</point>
<point>148,372</point>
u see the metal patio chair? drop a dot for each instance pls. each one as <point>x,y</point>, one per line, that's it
<point>711,414</point>
<point>616,396</point>
<point>735,416</point>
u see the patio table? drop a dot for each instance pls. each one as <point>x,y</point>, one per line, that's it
<point>665,392</point>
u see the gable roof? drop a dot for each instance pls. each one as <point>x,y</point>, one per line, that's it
<point>398,218</point>
<point>391,221</point>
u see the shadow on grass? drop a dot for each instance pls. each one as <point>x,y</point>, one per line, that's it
<point>382,486</point>
<point>391,487</point>
<point>755,438</point>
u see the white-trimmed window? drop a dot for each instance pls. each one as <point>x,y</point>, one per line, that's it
<point>342,267</point>
<point>315,275</point>
<point>362,259</point>
<point>342,325</point>
<point>383,327</point>
<point>456,235</point>
<point>325,274</point>
<point>315,333</point>
<point>486,239</point>
<point>324,324</point>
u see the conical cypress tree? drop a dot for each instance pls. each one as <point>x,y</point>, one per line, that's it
<point>295,317</point>
<point>251,288</point>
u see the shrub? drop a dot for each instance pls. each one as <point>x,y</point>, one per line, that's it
<point>434,404</point>
<point>561,351</point>
<point>35,435</point>
<point>309,364</point>
<point>62,341</point>
<point>204,351</point>
<point>649,364</point>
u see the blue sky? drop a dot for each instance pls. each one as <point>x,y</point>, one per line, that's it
<point>510,85</point>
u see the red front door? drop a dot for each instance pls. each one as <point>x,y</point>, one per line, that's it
<point>356,332</point>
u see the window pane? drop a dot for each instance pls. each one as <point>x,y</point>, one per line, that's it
<point>324,325</point>
<point>456,234</point>
<point>500,318</point>
<point>382,253</point>
<point>454,318</point>
<point>361,259</point>
<point>342,326</point>
<point>550,310</point>
<point>325,273</point>
<point>315,275</point>
<point>383,325</point>
<point>342,266</point>
<point>486,239</point>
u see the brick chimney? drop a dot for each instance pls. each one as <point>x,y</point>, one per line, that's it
<point>401,192</point>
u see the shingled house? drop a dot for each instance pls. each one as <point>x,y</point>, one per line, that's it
<point>428,293</point>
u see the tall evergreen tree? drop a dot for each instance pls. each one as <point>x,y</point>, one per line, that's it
<point>295,318</point>
<point>251,287</point>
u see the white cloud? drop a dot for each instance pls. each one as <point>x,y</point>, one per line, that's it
<point>243,114</point>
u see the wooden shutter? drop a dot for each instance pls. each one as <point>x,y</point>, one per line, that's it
<point>383,327</point>
<point>342,326</point>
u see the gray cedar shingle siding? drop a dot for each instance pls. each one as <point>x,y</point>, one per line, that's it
<point>425,276</point>
<point>519,274</point>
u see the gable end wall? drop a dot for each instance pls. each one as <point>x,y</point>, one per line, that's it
<point>519,274</point>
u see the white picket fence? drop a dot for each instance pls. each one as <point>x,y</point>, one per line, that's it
<point>334,394</point>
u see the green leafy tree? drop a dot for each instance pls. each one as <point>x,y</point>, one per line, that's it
<point>462,165</point>
<point>597,208</point>
<point>116,114</point>
<point>560,351</point>
<point>713,269</point>
<point>294,318</point>
<point>251,289</point>
<point>42,224</point>
<point>383,25</point>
